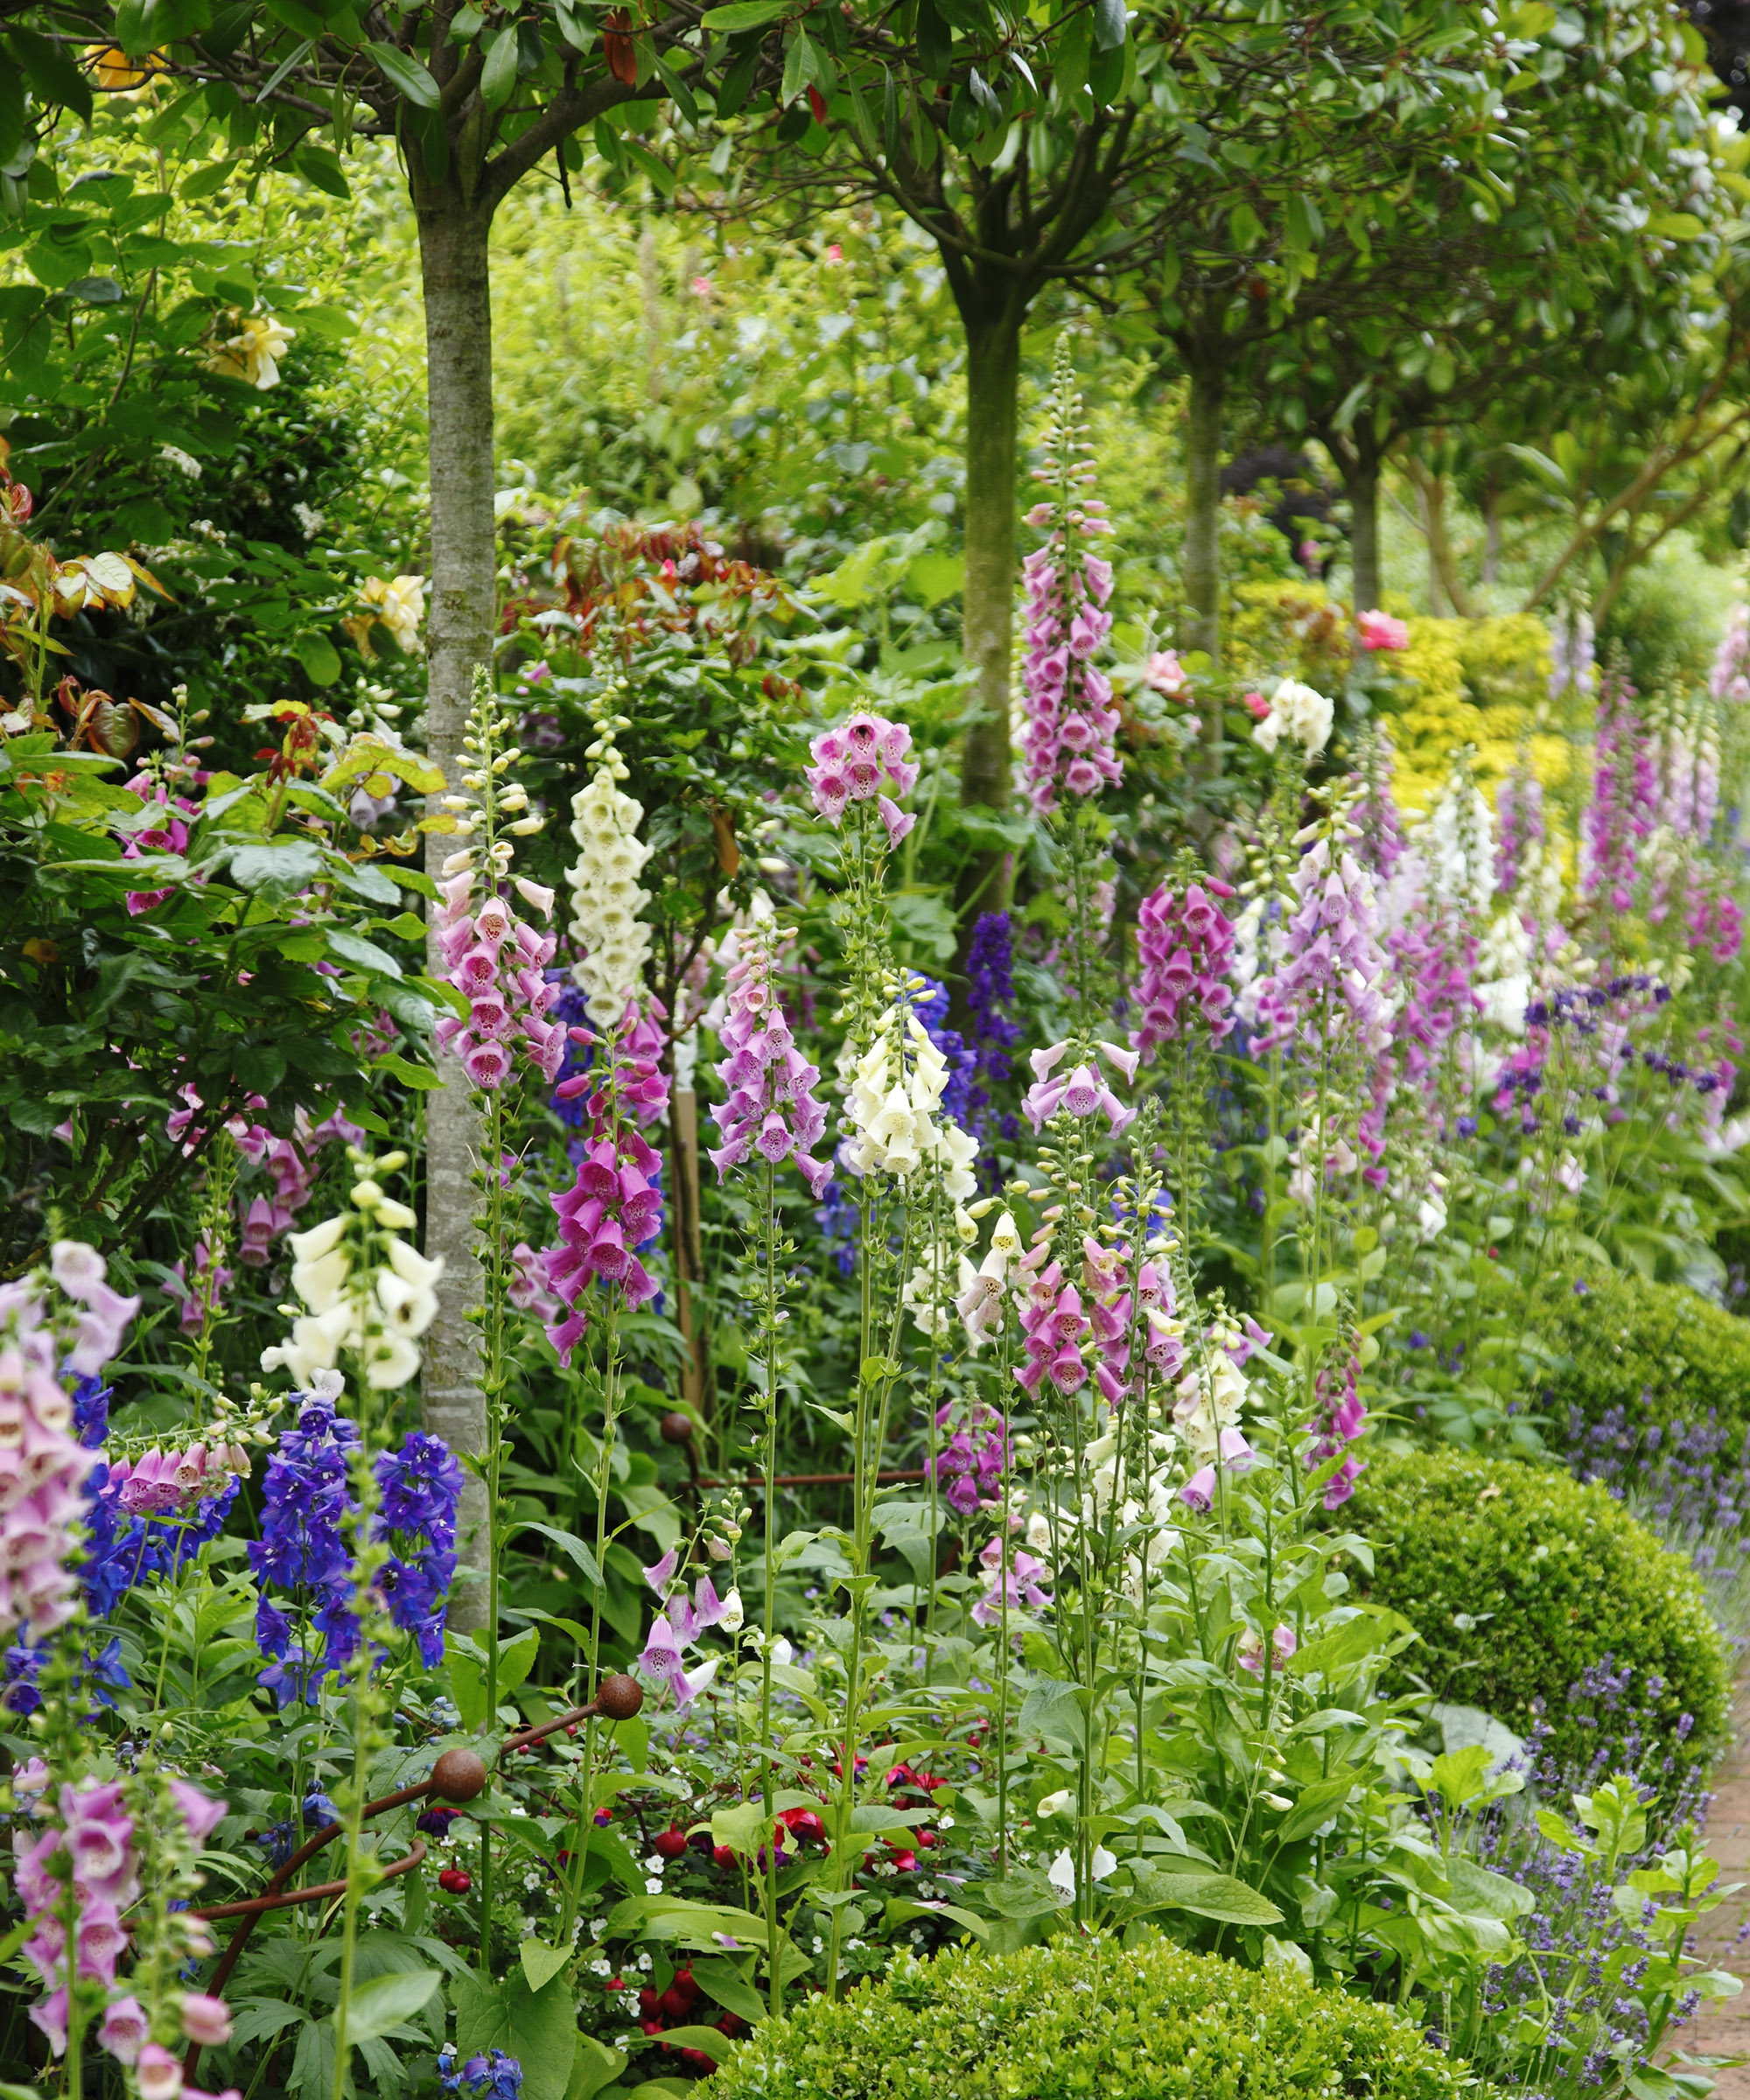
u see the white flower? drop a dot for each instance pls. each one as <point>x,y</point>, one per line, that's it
<point>313,1245</point>
<point>1054,1805</point>
<point>173,455</point>
<point>1570,1174</point>
<point>606,898</point>
<point>1062,1872</point>
<point>413,1268</point>
<point>321,1283</point>
<point>730,1619</point>
<point>1300,712</point>
<point>409,1308</point>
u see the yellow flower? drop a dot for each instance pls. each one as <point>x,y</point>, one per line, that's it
<point>253,354</point>
<point>115,73</point>
<point>400,603</point>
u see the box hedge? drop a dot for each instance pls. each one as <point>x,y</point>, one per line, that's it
<point>1519,1580</point>
<point>1088,2020</point>
<point>1632,1356</point>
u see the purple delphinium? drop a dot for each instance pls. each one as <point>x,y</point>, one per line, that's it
<point>306,1499</point>
<point>991,993</point>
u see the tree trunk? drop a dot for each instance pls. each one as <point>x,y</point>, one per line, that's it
<point>1200,557</point>
<point>1361,484</point>
<point>993,364</point>
<point>1446,594</point>
<point>453,268</point>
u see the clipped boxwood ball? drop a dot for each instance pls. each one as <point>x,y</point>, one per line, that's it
<point>1518,1579</point>
<point>1632,1356</point>
<point>1088,2020</point>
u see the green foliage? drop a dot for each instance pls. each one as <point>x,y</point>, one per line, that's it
<point>1518,1579</point>
<point>1142,2022</point>
<point>1657,1355</point>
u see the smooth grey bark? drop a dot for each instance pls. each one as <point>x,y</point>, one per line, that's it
<point>993,364</point>
<point>453,237</point>
<point>1200,554</point>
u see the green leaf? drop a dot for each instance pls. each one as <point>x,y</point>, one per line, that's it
<point>498,76</point>
<point>569,1543</point>
<point>277,871</point>
<point>538,2027</point>
<point>405,73</point>
<point>416,1076</point>
<point>322,170</point>
<point>468,1685</point>
<point>744,1828</point>
<point>362,953</point>
<point>320,659</point>
<point>745,14</point>
<point>382,2002</point>
<point>597,2066</point>
<point>52,72</point>
<point>1218,1896</point>
<point>1109,24</point>
<point>709,2041</point>
<point>541,1962</point>
<point>722,1981</point>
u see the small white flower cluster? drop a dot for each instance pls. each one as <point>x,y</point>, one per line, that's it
<point>606,898</point>
<point>895,1098</point>
<point>378,1312</point>
<point>1299,713</point>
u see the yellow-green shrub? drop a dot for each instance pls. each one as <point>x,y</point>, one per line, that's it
<point>1088,2022</point>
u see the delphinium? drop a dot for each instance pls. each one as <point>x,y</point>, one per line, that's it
<point>362,1539</point>
<point>990,999</point>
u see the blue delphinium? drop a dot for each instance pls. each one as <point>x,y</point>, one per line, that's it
<point>495,2076</point>
<point>422,1488</point>
<point>305,1502</point>
<point>990,992</point>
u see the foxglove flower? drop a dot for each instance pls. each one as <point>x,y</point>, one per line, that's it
<point>894,1102</point>
<point>1026,1578</point>
<point>1070,724</point>
<point>860,761</point>
<point>606,896</point>
<point>43,1464</point>
<point>772,1109</point>
<point>1186,946</point>
<point>976,1456</point>
<point>1083,1091</point>
<point>498,963</point>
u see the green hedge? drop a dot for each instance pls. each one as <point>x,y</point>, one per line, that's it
<point>1633,1355</point>
<point>1088,2022</point>
<point>1517,1579</point>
